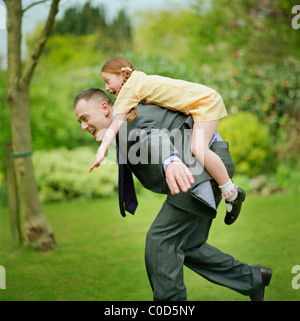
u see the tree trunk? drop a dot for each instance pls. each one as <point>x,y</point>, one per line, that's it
<point>37,232</point>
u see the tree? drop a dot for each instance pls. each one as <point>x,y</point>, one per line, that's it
<point>114,36</point>
<point>81,21</point>
<point>38,232</point>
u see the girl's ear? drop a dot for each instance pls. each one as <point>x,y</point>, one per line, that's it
<point>124,73</point>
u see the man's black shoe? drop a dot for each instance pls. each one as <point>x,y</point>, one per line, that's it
<point>235,206</point>
<point>266,275</point>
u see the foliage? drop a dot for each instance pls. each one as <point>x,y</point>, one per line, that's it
<point>249,142</point>
<point>87,20</point>
<point>287,177</point>
<point>81,21</point>
<point>63,175</point>
<point>284,179</point>
<point>269,92</point>
<point>207,32</point>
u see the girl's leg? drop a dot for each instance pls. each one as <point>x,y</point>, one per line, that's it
<point>202,135</point>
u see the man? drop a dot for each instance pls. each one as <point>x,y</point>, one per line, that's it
<point>178,234</point>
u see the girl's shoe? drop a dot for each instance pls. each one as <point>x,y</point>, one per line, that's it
<point>233,208</point>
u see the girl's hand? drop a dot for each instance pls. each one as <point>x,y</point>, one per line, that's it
<point>100,157</point>
<point>94,165</point>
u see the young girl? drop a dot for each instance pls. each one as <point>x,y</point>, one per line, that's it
<point>206,106</point>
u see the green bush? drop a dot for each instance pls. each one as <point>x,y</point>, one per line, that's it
<point>63,175</point>
<point>285,179</point>
<point>249,142</point>
<point>288,177</point>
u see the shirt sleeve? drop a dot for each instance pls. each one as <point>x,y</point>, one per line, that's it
<point>174,158</point>
<point>215,138</point>
<point>170,159</point>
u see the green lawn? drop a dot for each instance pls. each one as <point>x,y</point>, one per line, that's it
<point>100,255</point>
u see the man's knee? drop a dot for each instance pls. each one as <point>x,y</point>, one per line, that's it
<point>152,239</point>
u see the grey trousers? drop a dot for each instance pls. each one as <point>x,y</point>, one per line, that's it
<point>177,237</point>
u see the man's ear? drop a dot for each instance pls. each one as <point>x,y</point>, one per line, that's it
<point>105,108</point>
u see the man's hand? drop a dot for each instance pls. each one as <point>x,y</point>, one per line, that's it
<point>178,175</point>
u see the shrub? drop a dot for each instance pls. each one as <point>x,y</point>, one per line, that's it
<point>249,142</point>
<point>63,175</point>
<point>288,177</point>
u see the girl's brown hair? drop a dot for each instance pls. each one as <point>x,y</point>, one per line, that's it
<point>117,66</point>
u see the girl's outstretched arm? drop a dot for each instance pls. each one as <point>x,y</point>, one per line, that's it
<point>109,136</point>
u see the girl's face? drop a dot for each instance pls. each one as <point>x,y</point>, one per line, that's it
<point>112,82</point>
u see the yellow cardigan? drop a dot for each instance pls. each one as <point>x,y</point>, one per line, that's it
<point>202,102</point>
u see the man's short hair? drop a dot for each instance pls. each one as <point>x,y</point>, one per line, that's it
<point>93,93</point>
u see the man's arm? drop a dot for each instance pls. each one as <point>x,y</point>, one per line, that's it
<point>161,150</point>
<point>178,176</point>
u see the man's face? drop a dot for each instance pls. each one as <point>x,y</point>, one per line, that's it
<point>94,117</point>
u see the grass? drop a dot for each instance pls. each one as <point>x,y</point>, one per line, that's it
<point>100,255</point>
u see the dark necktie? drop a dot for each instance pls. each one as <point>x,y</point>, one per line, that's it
<point>127,196</point>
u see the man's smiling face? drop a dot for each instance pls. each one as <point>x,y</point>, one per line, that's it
<point>94,117</point>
